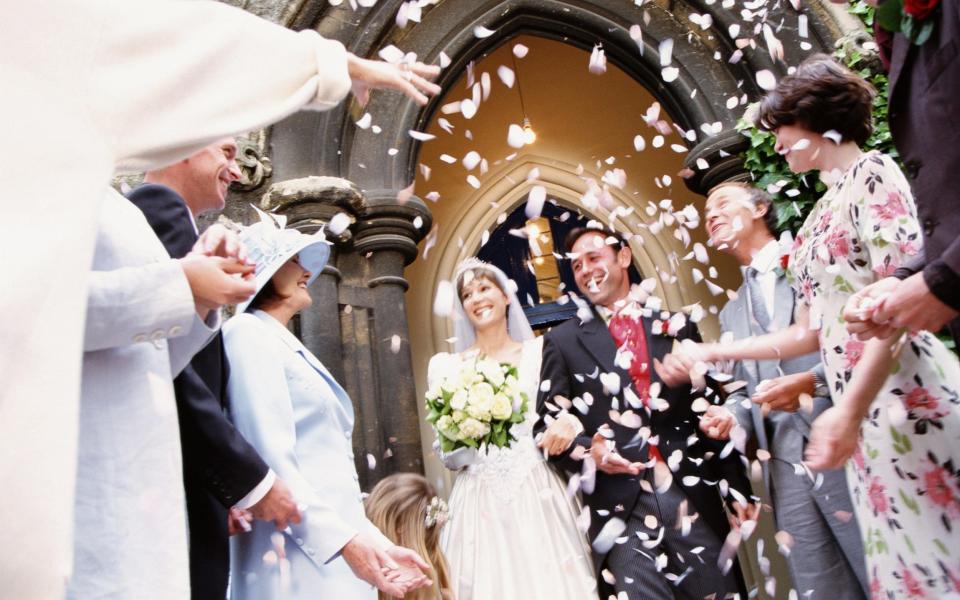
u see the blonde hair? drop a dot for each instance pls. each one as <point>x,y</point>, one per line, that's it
<point>398,507</point>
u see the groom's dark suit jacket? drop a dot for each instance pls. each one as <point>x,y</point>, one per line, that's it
<point>572,352</point>
<point>219,466</point>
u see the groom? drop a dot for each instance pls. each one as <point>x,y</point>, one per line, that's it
<point>651,482</point>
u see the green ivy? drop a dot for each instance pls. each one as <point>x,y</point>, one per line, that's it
<point>794,195</point>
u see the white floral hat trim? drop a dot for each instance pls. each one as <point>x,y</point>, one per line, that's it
<point>270,246</point>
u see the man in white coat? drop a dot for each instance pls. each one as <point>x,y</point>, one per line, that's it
<point>90,86</point>
<point>147,315</point>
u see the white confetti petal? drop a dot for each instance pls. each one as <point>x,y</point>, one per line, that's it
<point>670,74</point>
<point>506,75</point>
<point>515,136</point>
<point>598,61</point>
<point>471,160</point>
<point>365,121</point>
<point>482,32</point>
<point>339,223</point>
<point>639,143</point>
<point>467,108</point>
<point>666,52</point>
<point>474,182</point>
<point>519,50</point>
<point>421,136</point>
<point>535,201</point>
<point>766,80</point>
<point>395,342</point>
<point>443,302</point>
<point>444,60</point>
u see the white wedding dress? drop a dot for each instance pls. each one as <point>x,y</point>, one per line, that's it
<point>512,531</point>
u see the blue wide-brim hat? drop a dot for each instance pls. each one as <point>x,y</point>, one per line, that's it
<point>270,246</point>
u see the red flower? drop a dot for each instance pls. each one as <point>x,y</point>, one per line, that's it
<point>852,352</point>
<point>877,495</point>
<point>919,9</point>
<point>941,488</point>
<point>891,209</point>
<point>837,243</point>
<point>922,403</point>
<point>912,585</point>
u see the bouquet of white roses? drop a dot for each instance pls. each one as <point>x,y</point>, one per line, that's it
<point>476,405</point>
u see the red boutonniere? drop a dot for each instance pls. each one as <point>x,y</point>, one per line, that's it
<point>909,17</point>
<point>781,268</point>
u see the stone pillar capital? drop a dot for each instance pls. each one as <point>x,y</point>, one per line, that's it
<point>715,160</point>
<point>386,223</point>
<point>310,202</point>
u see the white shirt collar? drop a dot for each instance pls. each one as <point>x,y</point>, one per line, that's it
<point>766,259</point>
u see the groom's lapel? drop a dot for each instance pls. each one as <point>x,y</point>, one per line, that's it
<point>597,341</point>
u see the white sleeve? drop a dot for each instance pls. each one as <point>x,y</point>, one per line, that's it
<point>183,348</point>
<point>137,304</point>
<point>263,414</point>
<point>169,77</point>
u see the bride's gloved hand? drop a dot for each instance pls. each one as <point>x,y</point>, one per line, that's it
<point>461,458</point>
<point>560,434</point>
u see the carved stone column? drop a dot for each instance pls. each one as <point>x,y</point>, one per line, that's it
<point>375,331</point>
<point>721,154</point>
<point>357,325</point>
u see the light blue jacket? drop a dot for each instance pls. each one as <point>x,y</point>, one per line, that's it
<point>286,403</point>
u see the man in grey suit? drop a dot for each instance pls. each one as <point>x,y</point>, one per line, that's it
<point>827,552</point>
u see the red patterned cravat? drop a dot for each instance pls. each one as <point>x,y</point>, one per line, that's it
<point>627,333</point>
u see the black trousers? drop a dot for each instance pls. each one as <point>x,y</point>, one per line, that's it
<point>678,567</point>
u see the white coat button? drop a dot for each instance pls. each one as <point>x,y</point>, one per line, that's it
<point>175,330</point>
<point>140,337</point>
<point>310,551</point>
<point>299,541</point>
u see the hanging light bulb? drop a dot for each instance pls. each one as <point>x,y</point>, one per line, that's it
<point>529,135</point>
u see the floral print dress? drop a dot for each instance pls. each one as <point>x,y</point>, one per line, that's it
<point>905,475</point>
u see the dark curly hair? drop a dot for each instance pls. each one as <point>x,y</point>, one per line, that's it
<point>821,96</point>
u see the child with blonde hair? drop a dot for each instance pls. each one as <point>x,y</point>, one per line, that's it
<point>406,508</point>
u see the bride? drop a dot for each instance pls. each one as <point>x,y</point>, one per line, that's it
<point>512,531</point>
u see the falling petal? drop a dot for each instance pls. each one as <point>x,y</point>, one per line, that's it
<point>515,136</point>
<point>535,201</point>
<point>339,223</point>
<point>670,74</point>
<point>474,182</point>
<point>395,342</point>
<point>421,136</point>
<point>444,60</point>
<point>365,121</point>
<point>391,54</point>
<point>467,108</point>
<point>598,61</point>
<point>608,534</point>
<point>506,75</point>
<point>519,50</point>
<point>666,52</point>
<point>482,32</point>
<point>639,143</point>
<point>371,461</point>
<point>471,160</point>
<point>766,80</point>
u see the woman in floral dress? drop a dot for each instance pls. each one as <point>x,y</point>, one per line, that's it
<point>900,394</point>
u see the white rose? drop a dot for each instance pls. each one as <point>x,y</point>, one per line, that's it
<point>481,401</point>
<point>502,407</point>
<point>473,429</point>
<point>492,371</point>
<point>458,416</point>
<point>459,400</point>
